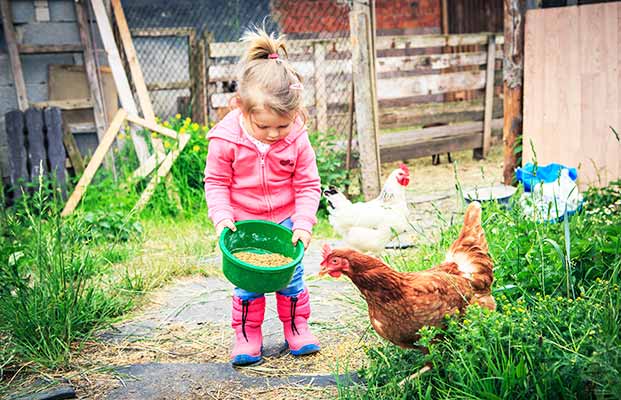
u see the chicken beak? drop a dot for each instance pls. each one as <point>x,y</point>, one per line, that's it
<point>324,268</point>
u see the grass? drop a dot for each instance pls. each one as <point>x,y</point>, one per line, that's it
<point>556,331</point>
<point>555,334</point>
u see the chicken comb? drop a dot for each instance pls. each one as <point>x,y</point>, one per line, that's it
<point>405,168</point>
<point>326,250</point>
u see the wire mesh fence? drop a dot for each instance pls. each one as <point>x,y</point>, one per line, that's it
<point>187,48</point>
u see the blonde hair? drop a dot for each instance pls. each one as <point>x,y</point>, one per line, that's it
<point>266,79</point>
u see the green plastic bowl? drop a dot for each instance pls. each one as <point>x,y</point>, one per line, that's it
<point>259,237</point>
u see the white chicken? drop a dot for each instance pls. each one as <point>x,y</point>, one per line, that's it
<point>369,226</point>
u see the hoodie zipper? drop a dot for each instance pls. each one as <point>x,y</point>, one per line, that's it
<point>264,182</point>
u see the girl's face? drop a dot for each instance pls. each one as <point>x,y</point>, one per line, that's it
<point>268,126</point>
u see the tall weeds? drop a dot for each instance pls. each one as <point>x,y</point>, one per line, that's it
<point>50,296</point>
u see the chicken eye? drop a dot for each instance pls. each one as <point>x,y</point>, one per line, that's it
<point>333,261</point>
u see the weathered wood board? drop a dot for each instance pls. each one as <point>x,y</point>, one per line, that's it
<point>572,89</point>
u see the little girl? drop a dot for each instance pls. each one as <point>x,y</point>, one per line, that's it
<point>260,165</point>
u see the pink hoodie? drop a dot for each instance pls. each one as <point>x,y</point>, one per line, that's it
<point>241,184</point>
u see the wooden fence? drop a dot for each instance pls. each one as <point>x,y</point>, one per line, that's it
<point>572,89</point>
<point>35,138</point>
<point>414,73</point>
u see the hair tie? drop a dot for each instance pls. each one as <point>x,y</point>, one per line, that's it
<point>273,56</point>
<point>296,86</point>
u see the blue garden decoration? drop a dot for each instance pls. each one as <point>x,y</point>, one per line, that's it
<point>531,174</point>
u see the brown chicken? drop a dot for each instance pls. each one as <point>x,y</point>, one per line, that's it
<point>401,303</point>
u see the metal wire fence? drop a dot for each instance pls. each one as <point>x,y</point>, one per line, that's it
<point>189,50</point>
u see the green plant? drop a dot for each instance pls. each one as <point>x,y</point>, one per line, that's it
<point>183,193</point>
<point>556,331</point>
<point>330,156</point>
<point>50,294</point>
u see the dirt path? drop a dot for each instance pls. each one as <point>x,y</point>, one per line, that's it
<point>178,345</point>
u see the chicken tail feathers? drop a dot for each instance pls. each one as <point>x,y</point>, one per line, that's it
<point>470,251</point>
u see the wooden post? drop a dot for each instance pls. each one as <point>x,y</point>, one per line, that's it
<point>136,71</point>
<point>72,150</point>
<point>16,64</point>
<point>513,70</point>
<point>90,66</point>
<point>55,148</point>
<point>95,162</point>
<point>445,20</point>
<point>199,113</point>
<point>489,99</point>
<point>118,73</point>
<point>366,102</point>
<point>37,155</point>
<point>321,100</point>
<point>132,60</point>
<point>18,161</point>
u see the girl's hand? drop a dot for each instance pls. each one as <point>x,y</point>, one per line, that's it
<point>300,234</point>
<point>225,223</point>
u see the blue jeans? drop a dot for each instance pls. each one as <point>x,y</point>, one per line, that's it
<point>295,287</point>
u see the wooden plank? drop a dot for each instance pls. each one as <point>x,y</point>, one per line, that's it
<point>81,127</point>
<point>122,84</point>
<point>37,158</point>
<point>430,84</point>
<point>321,94</point>
<point>427,113</point>
<point>385,65</point>
<point>177,85</point>
<point>427,141</point>
<point>489,96</point>
<point>613,90</point>
<point>49,48</point>
<point>425,134</point>
<point>91,75</point>
<point>73,152</point>
<point>534,93</point>
<point>70,82</point>
<point>591,94</point>
<point>366,108</point>
<point>153,126</point>
<point>55,147</point>
<point>18,158</point>
<point>132,60</point>
<point>389,88</point>
<point>158,32</point>
<point>572,92</point>
<point>304,46</point>
<point>95,162</point>
<point>437,146</point>
<point>71,104</point>
<point>135,70</point>
<point>42,11</point>
<point>162,171</point>
<point>16,64</point>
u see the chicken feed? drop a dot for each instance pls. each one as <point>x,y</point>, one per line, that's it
<point>264,260</point>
